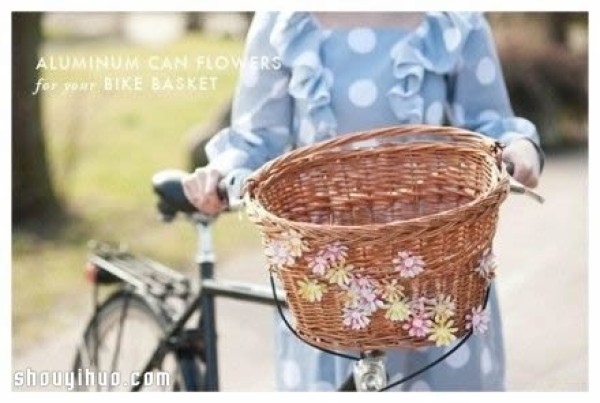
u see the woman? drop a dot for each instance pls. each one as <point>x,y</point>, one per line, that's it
<point>335,73</point>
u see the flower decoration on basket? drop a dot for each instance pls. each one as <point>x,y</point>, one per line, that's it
<point>328,269</point>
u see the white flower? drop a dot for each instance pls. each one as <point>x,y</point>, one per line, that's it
<point>335,252</point>
<point>408,264</point>
<point>487,265</point>
<point>294,242</point>
<point>442,308</point>
<point>318,265</point>
<point>278,254</point>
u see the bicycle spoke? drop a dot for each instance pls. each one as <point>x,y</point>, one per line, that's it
<point>119,337</point>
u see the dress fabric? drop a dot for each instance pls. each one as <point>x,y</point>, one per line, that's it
<point>322,83</point>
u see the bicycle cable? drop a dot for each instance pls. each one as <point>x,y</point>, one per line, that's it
<point>393,384</point>
<point>291,329</point>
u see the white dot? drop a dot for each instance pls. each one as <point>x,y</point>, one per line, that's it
<point>458,112</point>
<point>291,374</point>
<point>486,361</point>
<point>362,40</point>
<point>488,114</point>
<point>459,358</point>
<point>362,93</point>
<point>452,39</point>
<point>486,71</point>
<point>434,113</point>
<point>279,88</point>
<point>420,386</point>
<point>308,58</point>
<point>321,387</point>
<point>422,30</point>
<point>307,129</point>
<point>250,77</point>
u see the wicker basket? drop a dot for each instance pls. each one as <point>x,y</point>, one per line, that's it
<point>383,238</point>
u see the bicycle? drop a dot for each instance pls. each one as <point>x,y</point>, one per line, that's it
<point>164,302</point>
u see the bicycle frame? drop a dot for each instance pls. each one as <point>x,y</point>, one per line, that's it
<point>205,302</point>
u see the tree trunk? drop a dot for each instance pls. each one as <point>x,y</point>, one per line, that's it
<point>32,191</point>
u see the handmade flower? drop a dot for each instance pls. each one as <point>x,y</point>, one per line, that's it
<point>391,290</point>
<point>418,326</point>
<point>487,265</point>
<point>408,264</point>
<point>442,333</point>
<point>318,265</point>
<point>311,290</point>
<point>253,211</point>
<point>335,252</point>
<point>293,242</point>
<point>356,318</point>
<point>442,308</point>
<point>397,310</point>
<point>478,320</point>
<point>278,254</point>
<point>420,306</point>
<point>340,273</point>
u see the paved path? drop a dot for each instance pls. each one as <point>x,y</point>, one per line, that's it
<point>542,283</point>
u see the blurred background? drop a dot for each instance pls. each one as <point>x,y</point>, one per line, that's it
<point>82,163</point>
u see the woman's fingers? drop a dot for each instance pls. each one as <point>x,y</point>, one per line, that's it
<point>200,188</point>
<point>523,155</point>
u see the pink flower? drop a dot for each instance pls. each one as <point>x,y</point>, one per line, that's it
<point>478,320</point>
<point>421,306</point>
<point>408,264</point>
<point>487,265</point>
<point>356,318</point>
<point>362,293</point>
<point>318,265</point>
<point>278,254</point>
<point>335,252</point>
<point>418,326</point>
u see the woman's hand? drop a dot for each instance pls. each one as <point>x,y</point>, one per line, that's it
<point>523,154</point>
<point>200,188</point>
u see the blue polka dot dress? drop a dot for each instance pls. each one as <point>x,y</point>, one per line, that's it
<point>319,83</point>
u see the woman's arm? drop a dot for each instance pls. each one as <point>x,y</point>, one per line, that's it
<point>478,100</point>
<point>262,109</point>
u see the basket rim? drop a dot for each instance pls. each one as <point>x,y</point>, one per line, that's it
<point>501,186</point>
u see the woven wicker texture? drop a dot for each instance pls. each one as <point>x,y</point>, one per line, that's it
<point>433,191</point>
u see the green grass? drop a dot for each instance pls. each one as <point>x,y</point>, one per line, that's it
<point>103,149</point>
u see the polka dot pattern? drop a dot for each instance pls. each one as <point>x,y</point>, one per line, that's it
<point>486,71</point>
<point>486,361</point>
<point>452,38</point>
<point>292,376</point>
<point>362,93</point>
<point>434,113</point>
<point>420,386</point>
<point>459,358</point>
<point>362,40</point>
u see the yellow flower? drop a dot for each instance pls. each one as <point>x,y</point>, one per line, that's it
<point>392,291</point>
<point>339,273</point>
<point>443,308</point>
<point>443,333</point>
<point>311,290</point>
<point>397,310</point>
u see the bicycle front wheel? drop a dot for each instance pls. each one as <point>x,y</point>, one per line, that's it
<point>117,343</point>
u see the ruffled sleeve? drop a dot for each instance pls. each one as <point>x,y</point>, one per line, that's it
<point>297,39</point>
<point>261,117</point>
